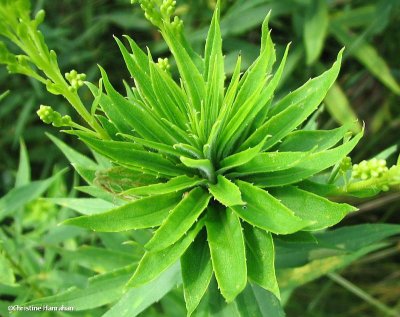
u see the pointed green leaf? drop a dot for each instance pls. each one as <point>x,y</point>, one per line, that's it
<point>135,116</point>
<point>203,165</point>
<point>180,219</point>
<point>173,185</point>
<point>367,55</point>
<point>6,272</point>
<point>260,254</point>
<point>240,158</point>
<point>308,206</point>
<point>144,213</point>
<point>192,79</point>
<point>266,212</point>
<point>293,109</point>
<point>271,161</point>
<point>339,107</point>
<point>196,272</point>
<point>315,28</point>
<point>125,154</point>
<point>314,164</point>
<point>154,263</point>
<point>136,300</point>
<point>225,238</point>
<point>306,140</point>
<point>24,169</point>
<point>86,206</point>
<point>226,192</point>
<point>257,302</point>
<point>93,295</point>
<point>19,196</point>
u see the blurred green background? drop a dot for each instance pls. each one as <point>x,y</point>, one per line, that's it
<point>368,89</point>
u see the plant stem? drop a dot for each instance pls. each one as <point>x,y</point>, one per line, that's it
<point>363,295</point>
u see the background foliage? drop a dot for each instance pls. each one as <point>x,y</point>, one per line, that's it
<point>44,255</point>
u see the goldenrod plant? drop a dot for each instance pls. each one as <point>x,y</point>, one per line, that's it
<point>216,168</point>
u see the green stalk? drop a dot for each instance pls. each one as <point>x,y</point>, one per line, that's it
<point>363,295</point>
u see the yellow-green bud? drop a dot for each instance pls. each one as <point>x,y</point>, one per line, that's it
<point>76,80</point>
<point>50,116</point>
<point>163,63</point>
<point>167,8</point>
<point>373,168</point>
<point>345,164</point>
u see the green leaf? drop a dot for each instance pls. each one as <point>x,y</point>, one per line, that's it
<point>293,109</point>
<point>257,302</point>
<point>260,254</point>
<point>306,140</point>
<point>367,55</point>
<point>293,278</point>
<point>339,107</point>
<point>24,170</point>
<point>226,192</point>
<point>270,162</point>
<point>6,272</point>
<point>196,272</point>
<point>135,116</point>
<point>226,242</point>
<point>80,162</point>
<point>20,196</point>
<point>86,206</point>
<point>136,300</point>
<point>314,163</point>
<point>315,29</point>
<point>170,95</point>
<point>322,212</point>
<point>180,219</point>
<point>192,78</point>
<point>154,263</point>
<point>357,236</point>
<point>203,165</point>
<point>266,212</point>
<point>125,154</point>
<point>240,158</point>
<point>213,72</point>
<point>143,213</point>
<point>173,185</point>
<point>99,260</point>
<point>93,295</point>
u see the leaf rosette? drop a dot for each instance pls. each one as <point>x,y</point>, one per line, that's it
<point>217,167</point>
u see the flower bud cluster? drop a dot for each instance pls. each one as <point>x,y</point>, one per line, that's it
<point>167,8</point>
<point>373,168</point>
<point>177,24</point>
<point>50,116</point>
<point>75,79</point>
<point>345,164</point>
<point>163,63</point>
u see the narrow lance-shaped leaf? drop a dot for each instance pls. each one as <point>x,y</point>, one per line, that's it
<point>144,213</point>
<point>226,242</point>
<point>315,28</point>
<point>180,220</point>
<point>266,212</point>
<point>315,163</point>
<point>308,206</point>
<point>305,140</point>
<point>240,158</point>
<point>196,272</point>
<point>125,154</point>
<point>154,263</point>
<point>260,254</point>
<point>226,192</point>
<point>173,185</point>
<point>292,110</point>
